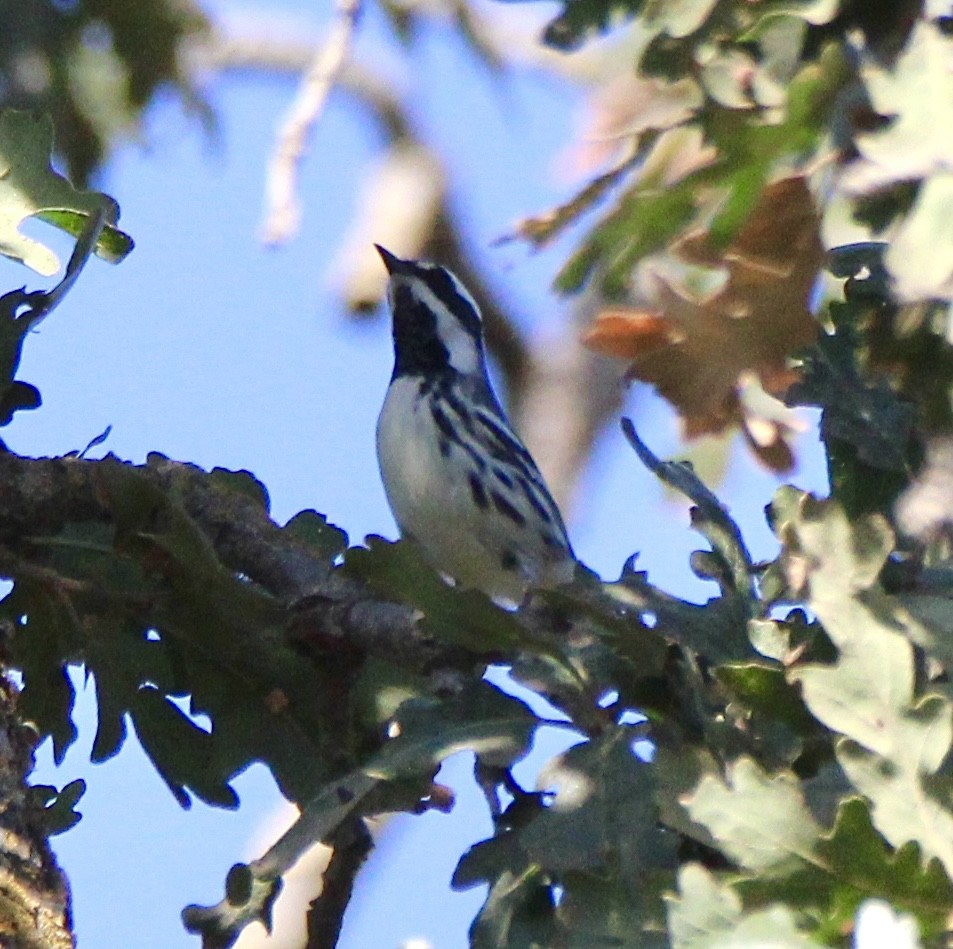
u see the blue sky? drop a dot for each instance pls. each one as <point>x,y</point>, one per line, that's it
<point>210,349</point>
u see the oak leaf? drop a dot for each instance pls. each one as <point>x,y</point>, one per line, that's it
<point>701,353</point>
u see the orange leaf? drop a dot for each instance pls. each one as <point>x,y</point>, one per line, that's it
<point>695,351</point>
<point>630,333</point>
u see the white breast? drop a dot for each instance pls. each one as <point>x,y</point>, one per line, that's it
<point>430,497</point>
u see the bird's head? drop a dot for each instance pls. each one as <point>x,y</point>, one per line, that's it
<point>437,324</point>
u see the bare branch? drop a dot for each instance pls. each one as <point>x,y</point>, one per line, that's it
<point>352,844</point>
<point>282,208</point>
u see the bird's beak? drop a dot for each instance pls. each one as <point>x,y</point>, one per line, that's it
<point>391,261</point>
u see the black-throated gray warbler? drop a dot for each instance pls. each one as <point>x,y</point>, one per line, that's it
<point>459,481</point>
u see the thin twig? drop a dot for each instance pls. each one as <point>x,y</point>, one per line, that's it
<point>282,207</point>
<point>352,845</point>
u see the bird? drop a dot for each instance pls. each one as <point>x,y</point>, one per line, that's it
<point>459,481</point>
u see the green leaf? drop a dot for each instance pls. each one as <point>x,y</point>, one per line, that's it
<point>868,694</point>
<point>112,245</point>
<point>859,856</point>
<point>904,808</point>
<point>849,260</point>
<point>183,754</point>
<point>776,927</point>
<point>708,915</point>
<point>243,482</point>
<point>45,640</point>
<point>18,313</point>
<point>379,691</point>
<point>912,147</point>
<point>645,217</point>
<point>709,516</point>
<point>594,833</point>
<point>727,78</point>
<point>603,813</point>
<point>765,691</point>
<point>115,648</point>
<point>295,724</point>
<point>61,814</point>
<point>866,415</point>
<point>896,740</point>
<point>148,519</point>
<point>17,396</point>
<point>315,531</point>
<point>467,618</point>
<point>873,704</point>
<point>930,605</point>
<point>850,865</point>
<point>925,236</point>
<point>489,861</point>
<point>815,12</point>
<point>518,913</point>
<point>760,821</point>
<point>480,719</point>
<point>781,45</point>
<point>679,18</point>
<point>121,658</point>
<point>222,641</point>
<point>703,909</point>
<point>604,912</point>
<point>845,557</point>
<point>913,144</point>
<point>769,637</point>
<point>626,651</point>
<point>749,147</point>
<point>580,18</point>
<point>210,605</point>
<point>29,186</point>
<point>716,630</point>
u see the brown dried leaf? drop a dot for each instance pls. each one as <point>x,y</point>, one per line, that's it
<point>631,333</point>
<point>766,423</point>
<point>778,455</point>
<point>753,323</point>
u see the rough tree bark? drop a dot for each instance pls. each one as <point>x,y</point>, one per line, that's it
<point>34,894</point>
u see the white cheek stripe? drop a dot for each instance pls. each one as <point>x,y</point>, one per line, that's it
<point>464,356</point>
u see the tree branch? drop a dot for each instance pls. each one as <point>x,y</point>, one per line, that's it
<point>352,845</point>
<point>297,601</point>
<point>282,208</point>
<point>41,496</point>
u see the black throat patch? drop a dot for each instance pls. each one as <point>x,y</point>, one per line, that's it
<point>418,350</point>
